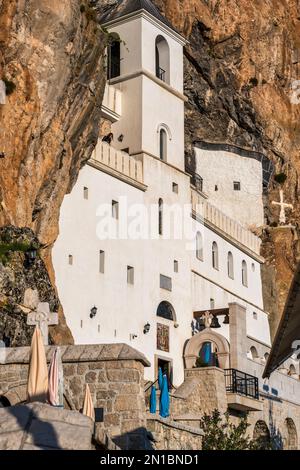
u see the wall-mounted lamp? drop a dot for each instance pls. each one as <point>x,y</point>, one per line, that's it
<point>146,328</point>
<point>176,325</point>
<point>93,312</point>
<point>132,336</point>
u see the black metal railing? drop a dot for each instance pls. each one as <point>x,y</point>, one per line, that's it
<point>161,74</point>
<point>241,383</point>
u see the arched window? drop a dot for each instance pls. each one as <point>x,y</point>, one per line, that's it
<point>261,435</point>
<point>244,274</point>
<point>199,246</point>
<point>292,371</point>
<point>163,144</point>
<point>230,269</point>
<point>114,60</point>
<point>215,256</point>
<point>253,353</point>
<point>162,59</point>
<point>166,310</point>
<point>160,216</point>
<point>266,356</point>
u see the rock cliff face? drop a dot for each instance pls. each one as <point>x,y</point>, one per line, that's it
<point>241,65</point>
<point>51,60</point>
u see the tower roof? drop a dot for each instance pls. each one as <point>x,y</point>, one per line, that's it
<point>128,7</point>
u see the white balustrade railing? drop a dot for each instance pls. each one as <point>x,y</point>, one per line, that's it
<point>220,220</point>
<point>112,99</point>
<point>119,161</point>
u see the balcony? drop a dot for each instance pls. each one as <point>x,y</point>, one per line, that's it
<point>112,103</point>
<point>217,219</point>
<point>118,164</point>
<point>242,391</point>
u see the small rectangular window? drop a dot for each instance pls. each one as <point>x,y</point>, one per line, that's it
<point>71,260</point>
<point>255,315</point>
<point>165,282</point>
<point>101,261</point>
<point>236,185</point>
<point>130,275</point>
<point>212,304</point>
<point>175,266</point>
<point>85,192</point>
<point>175,188</point>
<point>115,209</point>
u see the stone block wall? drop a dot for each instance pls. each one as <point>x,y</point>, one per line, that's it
<point>115,374</point>
<point>203,390</point>
<point>169,435</point>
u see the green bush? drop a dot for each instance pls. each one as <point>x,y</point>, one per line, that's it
<point>7,248</point>
<point>221,434</point>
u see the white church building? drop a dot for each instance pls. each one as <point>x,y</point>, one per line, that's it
<point>149,254</point>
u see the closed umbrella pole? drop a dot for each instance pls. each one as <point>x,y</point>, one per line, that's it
<point>53,397</point>
<point>153,400</point>
<point>164,408</point>
<point>37,386</point>
<point>88,406</point>
<point>160,378</point>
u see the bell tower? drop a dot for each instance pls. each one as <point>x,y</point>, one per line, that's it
<point>146,64</point>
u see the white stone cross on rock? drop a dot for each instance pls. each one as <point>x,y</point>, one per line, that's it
<point>42,317</point>
<point>283,206</point>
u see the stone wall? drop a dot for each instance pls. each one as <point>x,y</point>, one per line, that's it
<point>169,435</point>
<point>203,390</point>
<point>115,374</point>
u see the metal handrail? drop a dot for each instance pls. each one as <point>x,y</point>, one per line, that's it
<point>242,383</point>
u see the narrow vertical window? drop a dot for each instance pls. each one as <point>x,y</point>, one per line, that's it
<point>160,216</point>
<point>114,60</point>
<point>115,209</point>
<point>199,246</point>
<point>163,142</point>
<point>230,265</point>
<point>85,192</point>
<point>244,274</point>
<point>101,261</point>
<point>130,275</point>
<point>215,256</point>
<point>175,188</point>
<point>71,260</point>
<point>175,266</point>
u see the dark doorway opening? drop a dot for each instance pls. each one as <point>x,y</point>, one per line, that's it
<point>166,367</point>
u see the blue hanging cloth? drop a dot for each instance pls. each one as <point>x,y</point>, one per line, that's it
<point>153,400</point>
<point>206,354</point>
<point>164,403</point>
<point>160,378</point>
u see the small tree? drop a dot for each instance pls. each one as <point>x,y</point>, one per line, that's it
<point>221,434</point>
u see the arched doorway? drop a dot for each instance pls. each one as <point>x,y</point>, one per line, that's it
<point>261,435</point>
<point>291,440</point>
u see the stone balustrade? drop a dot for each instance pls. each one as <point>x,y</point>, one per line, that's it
<point>218,219</point>
<point>119,162</point>
<point>112,102</point>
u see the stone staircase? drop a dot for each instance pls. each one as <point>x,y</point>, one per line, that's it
<point>178,431</point>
